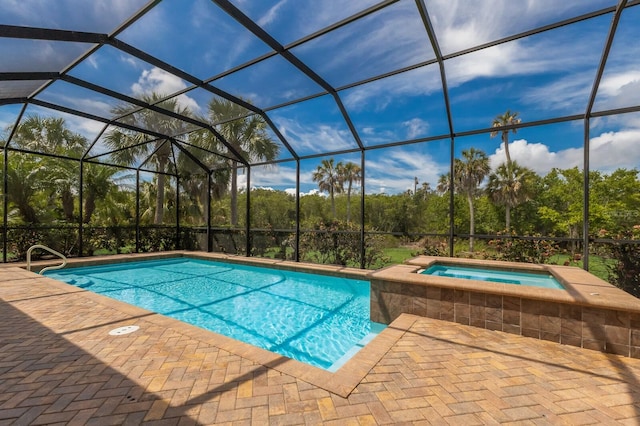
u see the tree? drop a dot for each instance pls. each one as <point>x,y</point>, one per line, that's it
<point>24,179</point>
<point>99,184</point>
<point>248,136</point>
<point>424,191</point>
<point>509,186</point>
<point>507,119</point>
<point>50,135</point>
<point>329,179</point>
<point>561,202</point>
<point>614,200</point>
<point>139,145</point>
<point>468,175</point>
<point>349,173</point>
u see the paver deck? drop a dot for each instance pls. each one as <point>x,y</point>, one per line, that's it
<point>59,365</point>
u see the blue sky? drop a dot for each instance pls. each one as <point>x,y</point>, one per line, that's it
<point>541,76</point>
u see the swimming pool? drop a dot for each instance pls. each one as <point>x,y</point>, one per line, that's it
<point>317,319</point>
<point>494,275</point>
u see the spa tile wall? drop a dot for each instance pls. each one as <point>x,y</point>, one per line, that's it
<point>605,330</point>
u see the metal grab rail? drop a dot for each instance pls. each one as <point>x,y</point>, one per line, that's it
<point>50,250</point>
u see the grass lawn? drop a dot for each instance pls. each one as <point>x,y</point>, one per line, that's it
<point>598,266</point>
<point>399,254</point>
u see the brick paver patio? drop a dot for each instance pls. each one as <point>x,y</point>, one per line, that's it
<point>59,365</point>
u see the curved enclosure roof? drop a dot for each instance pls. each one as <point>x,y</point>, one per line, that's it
<point>327,77</point>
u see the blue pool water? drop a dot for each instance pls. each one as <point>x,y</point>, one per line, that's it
<point>494,275</point>
<point>316,319</point>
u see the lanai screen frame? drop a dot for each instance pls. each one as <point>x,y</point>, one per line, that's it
<point>284,51</point>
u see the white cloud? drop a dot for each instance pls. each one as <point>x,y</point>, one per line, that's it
<point>292,191</point>
<point>569,93</point>
<point>619,89</point>
<point>378,95</point>
<point>460,24</point>
<point>537,156</point>
<point>87,128</point>
<point>618,121</point>
<point>612,84</point>
<point>271,14</point>
<point>95,15</point>
<point>395,171</point>
<point>613,150</point>
<point>416,127</point>
<point>609,151</point>
<point>314,138</point>
<point>159,81</point>
<point>129,60</point>
<point>276,175</point>
<point>389,39</point>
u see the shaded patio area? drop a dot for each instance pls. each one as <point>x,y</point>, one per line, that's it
<point>58,364</point>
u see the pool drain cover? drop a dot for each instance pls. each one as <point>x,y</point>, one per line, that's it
<point>123,330</point>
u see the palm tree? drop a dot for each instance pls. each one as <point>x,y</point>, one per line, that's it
<point>98,184</point>
<point>349,173</point>
<point>115,208</point>
<point>135,141</point>
<point>468,175</point>
<point>48,135</point>
<point>509,118</point>
<point>51,136</point>
<point>329,180</point>
<point>24,180</point>
<point>194,182</point>
<point>424,190</point>
<point>510,186</point>
<point>247,135</point>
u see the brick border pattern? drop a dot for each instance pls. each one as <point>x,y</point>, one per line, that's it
<point>606,330</point>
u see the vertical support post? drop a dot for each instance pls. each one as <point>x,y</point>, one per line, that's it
<point>81,212</point>
<point>209,242</point>
<point>5,203</point>
<point>587,115</point>
<point>178,239</point>
<point>363,250</point>
<point>5,185</point>
<point>138,211</point>
<point>585,203</point>
<point>296,254</point>
<point>248,224</point>
<point>452,160</point>
<point>422,9</point>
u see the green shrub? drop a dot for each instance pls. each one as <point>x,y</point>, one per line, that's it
<point>61,238</point>
<point>433,246</point>
<point>157,239</point>
<point>527,250</point>
<point>625,272</point>
<point>338,243</point>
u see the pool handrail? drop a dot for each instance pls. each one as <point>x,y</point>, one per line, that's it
<point>50,250</point>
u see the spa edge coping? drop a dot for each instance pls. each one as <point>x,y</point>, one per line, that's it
<point>580,287</point>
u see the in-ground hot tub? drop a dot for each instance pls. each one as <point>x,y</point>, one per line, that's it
<point>586,312</point>
<point>493,274</point>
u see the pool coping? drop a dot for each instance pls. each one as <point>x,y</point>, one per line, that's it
<point>341,382</point>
